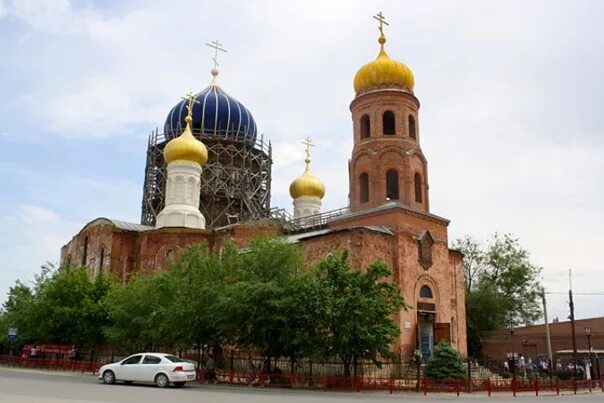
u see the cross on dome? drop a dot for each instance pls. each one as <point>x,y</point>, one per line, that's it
<point>190,98</point>
<point>380,17</point>
<point>217,46</point>
<point>308,143</point>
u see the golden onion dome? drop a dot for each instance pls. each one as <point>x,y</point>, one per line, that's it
<point>383,70</point>
<point>307,184</point>
<point>186,147</point>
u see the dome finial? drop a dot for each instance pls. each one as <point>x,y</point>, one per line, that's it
<point>217,46</point>
<point>190,98</point>
<point>382,39</point>
<point>308,143</point>
<point>186,147</point>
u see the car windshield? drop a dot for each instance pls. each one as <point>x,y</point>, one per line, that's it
<point>174,359</point>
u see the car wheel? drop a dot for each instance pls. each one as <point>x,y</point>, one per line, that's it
<point>179,384</point>
<point>162,381</point>
<point>108,377</point>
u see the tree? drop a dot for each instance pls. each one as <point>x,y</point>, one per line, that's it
<point>17,310</point>
<point>502,286</point>
<point>62,306</point>
<point>358,310</point>
<point>445,363</point>
<point>256,309</point>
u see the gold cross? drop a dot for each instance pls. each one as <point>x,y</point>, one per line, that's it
<point>217,46</point>
<point>308,144</point>
<point>190,98</point>
<point>380,17</point>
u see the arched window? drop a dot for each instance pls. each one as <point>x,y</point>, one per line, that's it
<point>365,127</point>
<point>102,259</point>
<point>425,292</point>
<point>412,130</point>
<point>388,122</point>
<point>418,188</point>
<point>85,254</point>
<point>392,184</point>
<point>364,188</point>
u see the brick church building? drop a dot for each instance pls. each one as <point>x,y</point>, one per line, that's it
<point>208,180</point>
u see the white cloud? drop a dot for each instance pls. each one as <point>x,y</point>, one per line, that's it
<point>30,214</point>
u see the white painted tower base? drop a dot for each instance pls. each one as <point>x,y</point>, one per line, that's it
<point>305,206</point>
<point>182,197</point>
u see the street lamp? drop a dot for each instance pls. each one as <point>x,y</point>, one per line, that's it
<point>588,334</point>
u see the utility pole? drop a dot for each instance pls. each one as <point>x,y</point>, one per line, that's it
<point>547,335</point>
<point>572,322</point>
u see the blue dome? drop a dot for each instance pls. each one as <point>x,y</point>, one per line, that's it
<point>216,115</point>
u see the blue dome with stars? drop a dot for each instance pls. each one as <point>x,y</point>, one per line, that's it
<point>215,115</point>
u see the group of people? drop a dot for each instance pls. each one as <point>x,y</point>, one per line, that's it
<point>209,371</point>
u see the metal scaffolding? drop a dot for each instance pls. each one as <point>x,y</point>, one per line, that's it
<point>235,183</point>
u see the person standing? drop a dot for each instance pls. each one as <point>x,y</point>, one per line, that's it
<point>210,369</point>
<point>522,366</point>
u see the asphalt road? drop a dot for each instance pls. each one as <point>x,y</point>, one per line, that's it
<point>33,386</point>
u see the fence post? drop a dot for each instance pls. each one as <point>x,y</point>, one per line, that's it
<point>602,383</point>
<point>457,386</point>
<point>557,387</point>
<point>488,381</point>
<point>391,385</point>
<point>231,376</point>
<point>261,379</point>
<point>425,386</point>
<point>536,387</point>
<point>357,384</point>
<point>325,382</point>
<point>514,387</point>
<point>201,375</point>
<point>292,380</point>
<point>574,386</point>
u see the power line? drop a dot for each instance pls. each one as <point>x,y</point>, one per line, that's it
<point>577,293</point>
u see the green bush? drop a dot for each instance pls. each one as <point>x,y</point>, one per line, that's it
<point>445,363</point>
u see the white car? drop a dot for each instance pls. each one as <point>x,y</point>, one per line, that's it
<point>160,368</point>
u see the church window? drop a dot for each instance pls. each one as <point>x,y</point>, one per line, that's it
<point>392,184</point>
<point>364,185</point>
<point>412,130</point>
<point>418,187</point>
<point>424,246</point>
<point>102,259</point>
<point>388,122</point>
<point>425,292</point>
<point>84,255</point>
<point>365,127</point>
<point>170,255</point>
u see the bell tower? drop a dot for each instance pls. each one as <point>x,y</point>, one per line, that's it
<point>387,163</point>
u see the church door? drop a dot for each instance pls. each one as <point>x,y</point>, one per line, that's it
<point>426,339</point>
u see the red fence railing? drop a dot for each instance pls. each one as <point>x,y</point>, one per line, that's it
<point>63,365</point>
<point>340,383</point>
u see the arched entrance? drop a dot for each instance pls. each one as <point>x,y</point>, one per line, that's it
<point>429,331</point>
<point>426,318</point>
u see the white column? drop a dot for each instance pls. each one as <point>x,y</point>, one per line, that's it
<point>305,206</point>
<point>182,197</point>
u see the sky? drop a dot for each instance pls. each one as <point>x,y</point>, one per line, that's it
<point>510,121</point>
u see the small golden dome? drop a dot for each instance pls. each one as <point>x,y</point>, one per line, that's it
<point>383,70</point>
<point>307,184</point>
<point>186,147</point>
